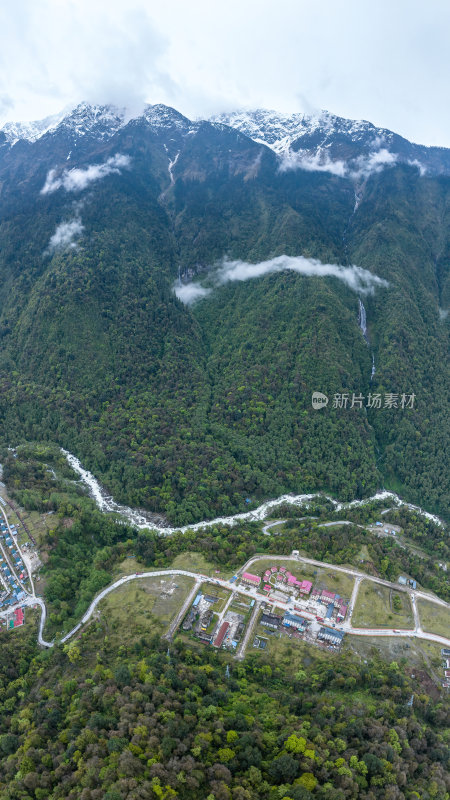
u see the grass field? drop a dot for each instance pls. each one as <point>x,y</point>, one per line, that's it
<point>434,618</point>
<point>194,562</point>
<point>323,578</point>
<point>145,603</point>
<point>374,608</point>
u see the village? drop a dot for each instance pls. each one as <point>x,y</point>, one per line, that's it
<point>292,607</point>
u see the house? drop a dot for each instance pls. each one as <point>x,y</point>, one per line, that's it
<point>267,587</point>
<point>412,583</point>
<point>293,621</point>
<point>341,614</point>
<point>305,587</point>
<point>331,636</point>
<point>402,580</point>
<point>221,635</point>
<point>327,596</point>
<point>253,580</point>
<point>316,594</point>
<point>270,620</point>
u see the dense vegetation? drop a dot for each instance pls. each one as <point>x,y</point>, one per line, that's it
<point>108,720</point>
<point>191,411</point>
<point>83,545</point>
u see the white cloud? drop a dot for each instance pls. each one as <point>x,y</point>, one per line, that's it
<point>356,278</point>
<point>312,163</point>
<point>375,162</point>
<point>65,235</point>
<point>291,56</point>
<point>356,169</point>
<point>416,163</point>
<point>75,180</point>
<point>188,293</point>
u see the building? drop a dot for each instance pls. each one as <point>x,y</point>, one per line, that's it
<point>306,587</point>
<point>293,621</point>
<point>330,636</point>
<point>267,587</point>
<point>253,580</point>
<point>270,621</point>
<point>221,635</point>
<point>316,593</point>
<point>328,597</point>
<point>402,580</point>
<point>412,583</point>
<point>342,613</point>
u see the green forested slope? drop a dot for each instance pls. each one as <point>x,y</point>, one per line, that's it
<point>189,411</point>
<point>109,719</point>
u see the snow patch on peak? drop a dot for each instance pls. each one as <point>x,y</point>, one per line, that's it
<point>15,131</point>
<point>272,128</point>
<point>160,116</point>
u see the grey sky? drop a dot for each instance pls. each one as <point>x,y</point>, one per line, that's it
<point>388,62</point>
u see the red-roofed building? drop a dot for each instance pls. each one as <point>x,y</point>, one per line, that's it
<point>305,587</point>
<point>18,617</point>
<point>254,580</point>
<point>283,569</point>
<point>274,569</point>
<point>342,612</point>
<point>221,635</point>
<point>326,595</point>
<point>267,587</point>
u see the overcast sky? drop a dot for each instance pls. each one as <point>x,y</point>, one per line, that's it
<point>387,61</point>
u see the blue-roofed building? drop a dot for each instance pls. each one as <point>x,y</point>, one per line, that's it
<point>329,613</point>
<point>197,600</point>
<point>294,621</point>
<point>330,635</point>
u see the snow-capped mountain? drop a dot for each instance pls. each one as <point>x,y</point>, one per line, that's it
<point>281,131</point>
<point>328,143</point>
<point>314,142</point>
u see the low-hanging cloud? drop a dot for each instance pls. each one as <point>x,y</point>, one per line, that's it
<point>312,163</point>
<point>188,293</point>
<point>358,279</point>
<point>356,169</point>
<point>75,180</point>
<point>65,235</point>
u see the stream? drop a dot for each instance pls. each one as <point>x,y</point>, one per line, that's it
<point>142,519</point>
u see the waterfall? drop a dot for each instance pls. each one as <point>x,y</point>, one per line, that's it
<point>362,322</point>
<point>362,319</point>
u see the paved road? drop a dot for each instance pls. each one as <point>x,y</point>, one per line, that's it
<point>348,571</point>
<point>251,592</point>
<point>250,627</point>
<point>11,565</point>
<point>183,611</point>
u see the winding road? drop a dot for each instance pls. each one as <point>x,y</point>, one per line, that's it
<point>417,632</point>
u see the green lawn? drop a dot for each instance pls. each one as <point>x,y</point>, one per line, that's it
<point>374,608</point>
<point>434,618</point>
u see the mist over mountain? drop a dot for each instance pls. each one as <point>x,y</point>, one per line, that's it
<point>185,383</point>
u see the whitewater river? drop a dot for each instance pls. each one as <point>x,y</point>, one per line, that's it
<point>141,519</point>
